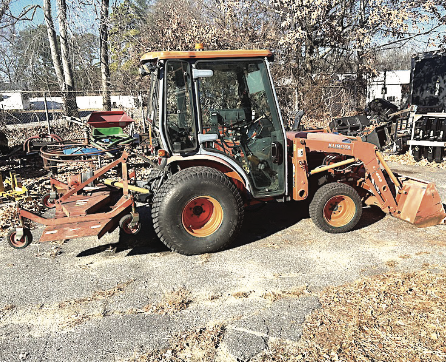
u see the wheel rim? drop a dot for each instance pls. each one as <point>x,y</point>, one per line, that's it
<point>202,216</point>
<point>18,244</point>
<point>128,229</point>
<point>339,210</point>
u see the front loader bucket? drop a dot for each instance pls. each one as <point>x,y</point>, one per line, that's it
<point>419,203</point>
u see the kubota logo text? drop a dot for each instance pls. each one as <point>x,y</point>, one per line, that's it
<point>339,146</point>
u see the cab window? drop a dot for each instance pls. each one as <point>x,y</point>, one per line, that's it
<point>180,120</point>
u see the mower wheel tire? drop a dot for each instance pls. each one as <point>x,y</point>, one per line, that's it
<point>336,208</point>
<point>124,224</point>
<point>46,201</point>
<point>198,210</point>
<point>25,240</point>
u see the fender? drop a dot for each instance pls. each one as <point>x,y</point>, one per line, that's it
<point>239,180</point>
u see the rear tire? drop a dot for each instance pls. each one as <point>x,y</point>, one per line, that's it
<point>336,208</point>
<point>198,210</point>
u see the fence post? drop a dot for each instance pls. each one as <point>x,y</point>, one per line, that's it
<point>142,113</point>
<point>46,113</point>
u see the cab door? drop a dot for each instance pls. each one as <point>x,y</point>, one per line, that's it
<point>179,118</point>
<point>237,104</point>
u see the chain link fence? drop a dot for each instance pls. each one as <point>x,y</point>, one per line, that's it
<point>26,114</point>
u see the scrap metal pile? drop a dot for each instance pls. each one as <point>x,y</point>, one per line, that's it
<point>85,203</point>
<point>420,127</point>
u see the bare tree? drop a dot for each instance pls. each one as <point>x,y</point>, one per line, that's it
<point>61,59</point>
<point>7,18</point>
<point>105,68</point>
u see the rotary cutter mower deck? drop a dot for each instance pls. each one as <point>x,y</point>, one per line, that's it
<point>216,129</point>
<point>84,208</point>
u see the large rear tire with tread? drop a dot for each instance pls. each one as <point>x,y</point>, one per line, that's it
<point>198,210</point>
<point>336,208</point>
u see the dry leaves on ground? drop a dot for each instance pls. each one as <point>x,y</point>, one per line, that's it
<point>390,317</point>
<point>407,159</point>
<point>172,302</point>
<point>198,345</point>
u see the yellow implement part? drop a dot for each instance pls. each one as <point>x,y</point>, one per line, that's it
<point>12,188</point>
<point>131,187</point>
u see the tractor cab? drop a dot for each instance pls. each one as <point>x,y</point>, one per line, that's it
<point>219,105</point>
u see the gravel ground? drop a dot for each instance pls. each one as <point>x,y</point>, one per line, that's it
<point>114,299</point>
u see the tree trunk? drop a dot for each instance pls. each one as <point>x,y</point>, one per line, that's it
<point>360,76</point>
<point>52,38</point>
<point>105,69</point>
<point>69,89</point>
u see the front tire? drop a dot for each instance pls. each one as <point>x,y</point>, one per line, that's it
<point>336,208</point>
<point>198,210</point>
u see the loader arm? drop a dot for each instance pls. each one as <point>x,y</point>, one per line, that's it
<point>415,201</point>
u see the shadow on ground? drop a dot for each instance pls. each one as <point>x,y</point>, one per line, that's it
<point>259,223</point>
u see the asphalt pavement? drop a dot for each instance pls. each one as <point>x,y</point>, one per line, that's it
<point>114,298</point>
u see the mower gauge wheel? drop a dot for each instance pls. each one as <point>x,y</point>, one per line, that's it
<point>46,201</point>
<point>126,225</point>
<point>24,241</point>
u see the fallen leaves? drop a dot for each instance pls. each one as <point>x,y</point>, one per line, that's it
<point>274,296</point>
<point>97,295</point>
<point>197,345</point>
<point>397,316</point>
<point>172,302</point>
<point>407,159</point>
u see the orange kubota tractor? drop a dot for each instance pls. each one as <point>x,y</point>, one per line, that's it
<point>216,127</point>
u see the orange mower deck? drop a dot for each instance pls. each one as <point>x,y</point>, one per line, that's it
<point>81,212</point>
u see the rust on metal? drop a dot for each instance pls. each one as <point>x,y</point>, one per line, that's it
<point>79,213</point>
<point>414,201</point>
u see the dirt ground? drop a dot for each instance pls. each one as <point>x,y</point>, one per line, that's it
<point>283,291</point>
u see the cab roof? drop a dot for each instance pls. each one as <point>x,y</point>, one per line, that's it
<point>207,54</point>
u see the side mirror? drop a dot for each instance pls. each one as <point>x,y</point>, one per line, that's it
<point>202,73</point>
<point>142,72</point>
<point>146,68</point>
